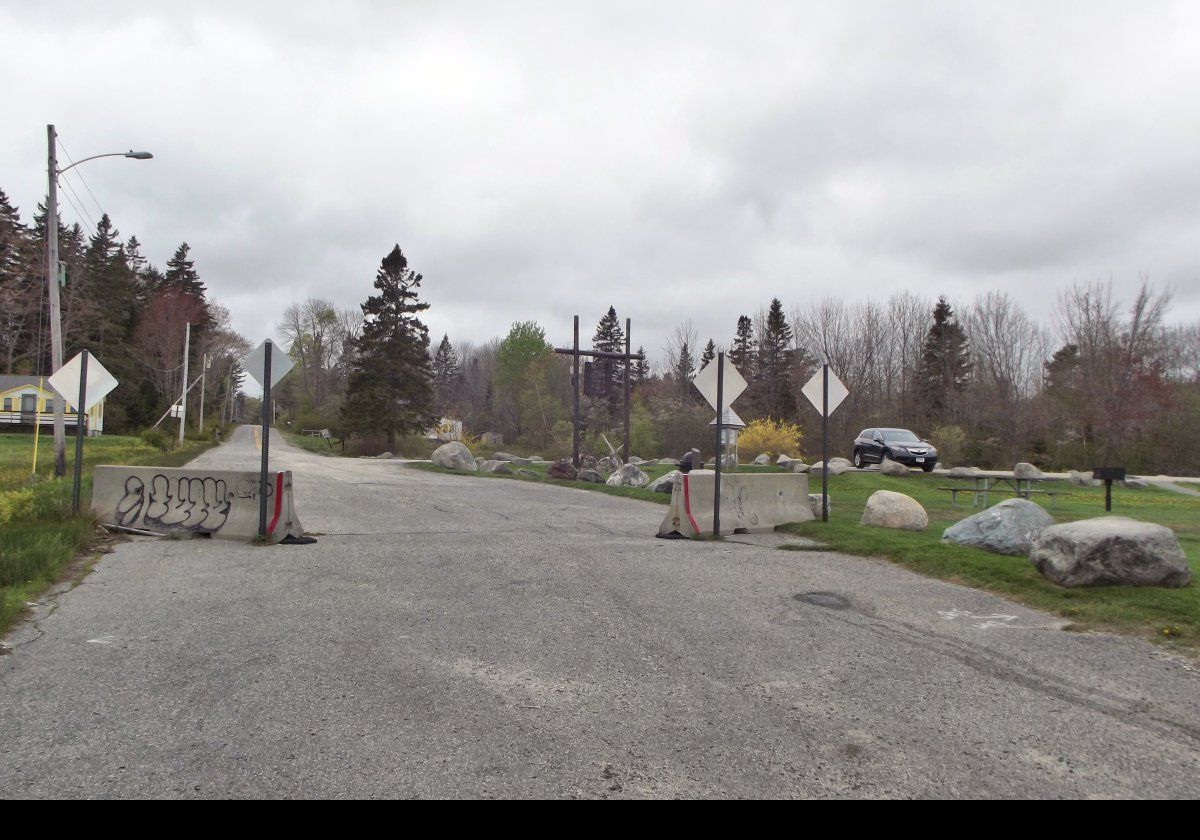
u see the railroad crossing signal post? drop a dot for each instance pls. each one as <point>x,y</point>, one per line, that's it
<point>575,353</point>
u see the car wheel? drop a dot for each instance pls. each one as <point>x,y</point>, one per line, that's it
<point>858,459</point>
<point>927,467</point>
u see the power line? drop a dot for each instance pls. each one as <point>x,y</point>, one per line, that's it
<point>79,174</point>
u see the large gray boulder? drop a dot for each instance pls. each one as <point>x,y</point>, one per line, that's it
<point>886,509</point>
<point>591,476</point>
<point>1111,551</point>
<point>1024,470</point>
<point>837,466</point>
<point>783,460</point>
<point>563,470</point>
<point>763,460</point>
<point>797,466</point>
<point>814,504</point>
<point>498,467</point>
<point>666,483</point>
<point>1134,482</point>
<point>1006,528</point>
<point>455,456</point>
<point>893,468</point>
<point>1082,479</point>
<point>628,476</point>
<point>503,456</point>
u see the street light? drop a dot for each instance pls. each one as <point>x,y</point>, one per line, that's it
<point>56,346</point>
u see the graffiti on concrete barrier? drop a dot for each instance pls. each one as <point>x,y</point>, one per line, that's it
<point>200,505</point>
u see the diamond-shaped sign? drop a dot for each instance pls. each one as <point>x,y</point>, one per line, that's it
<point>706,383</point>
<point>813,391</point>
<point>66,382</point>
<point>255,363</point>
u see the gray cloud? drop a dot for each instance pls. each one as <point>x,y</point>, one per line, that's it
<point>675,160</point>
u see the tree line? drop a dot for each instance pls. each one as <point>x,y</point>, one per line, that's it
<point>129,313</point>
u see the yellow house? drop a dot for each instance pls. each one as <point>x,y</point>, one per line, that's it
<point>26,400</point>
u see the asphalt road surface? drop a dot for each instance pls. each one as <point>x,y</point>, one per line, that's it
<point>463,637</point>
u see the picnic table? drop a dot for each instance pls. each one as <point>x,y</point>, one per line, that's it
<point>983,484</point>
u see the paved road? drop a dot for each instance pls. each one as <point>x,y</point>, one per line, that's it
<point>462,636</point>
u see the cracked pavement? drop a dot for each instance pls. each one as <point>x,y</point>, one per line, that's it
<point>457,636</point>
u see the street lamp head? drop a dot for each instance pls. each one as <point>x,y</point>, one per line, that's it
<point>138,155</point>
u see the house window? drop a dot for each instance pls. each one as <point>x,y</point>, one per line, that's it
<point>48,407</point>
<point>8,404</point>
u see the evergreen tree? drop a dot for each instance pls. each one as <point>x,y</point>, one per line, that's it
<point>775,395</point>
<point>610,338</point>
<point>945,367</point>
<point>391,378</point>
<point>684,368</point>
<point>641,368</point>
<point>710,353</point>
<point>446,375</point>
<point>182,274</point>
<point>19,289</point>
<point>744,351</point>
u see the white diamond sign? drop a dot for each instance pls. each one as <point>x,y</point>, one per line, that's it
<point>706,383</point>
<point>255,363</point>
<point>813,391</point>
<point>99,382</point>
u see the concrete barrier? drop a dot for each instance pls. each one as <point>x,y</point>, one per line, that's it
<point>749,503</point>
<point>220,503</point>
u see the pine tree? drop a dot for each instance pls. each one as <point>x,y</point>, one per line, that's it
<point>641,368</point>
<point>610,338</point>
<point>775,395</point>
<point>391,378</point>
<point>945,367</point>
<point>684,368</point>
<point>744,351</point>
<point>446,375</point>
<point>19,288</point>
<point>182,274</point>
<point>710,353</point>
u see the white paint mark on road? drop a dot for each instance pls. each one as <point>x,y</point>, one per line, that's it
<point>983,622</point>
<point>103,640</point>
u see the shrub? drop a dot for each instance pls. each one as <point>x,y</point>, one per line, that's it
<point>774,437</point>
<point>951,443</point>
<point>157,438</point>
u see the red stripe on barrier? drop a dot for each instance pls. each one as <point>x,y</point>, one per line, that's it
<point>687,505</point>
<point>278,502</point>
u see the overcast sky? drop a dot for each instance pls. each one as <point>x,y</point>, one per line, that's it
<point>675,160</point>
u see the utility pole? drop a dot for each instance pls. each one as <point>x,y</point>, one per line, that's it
<point>56,342</point>
<point>203,382</point>
<point>187,344</point>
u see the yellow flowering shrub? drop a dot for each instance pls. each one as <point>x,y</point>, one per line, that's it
<point>774,437</point>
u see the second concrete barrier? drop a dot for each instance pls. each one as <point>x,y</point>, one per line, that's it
<point>749,503</point>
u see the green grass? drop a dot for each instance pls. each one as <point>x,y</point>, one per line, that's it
<point>1150,612</point>
<point>1160,614</point>
<point>39,535</point>
<point>319,445</point>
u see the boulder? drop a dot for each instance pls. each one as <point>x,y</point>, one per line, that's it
<point>797,466</point>
<point>493,466</point>
<point>814,503</point>
<point>762,460</point>
<point>650,463</point>
<point>562,469</point>
<point>665,484</point>
<point>633,459</point>
<point>591,476</point>
<point>893,468</point>
<point>837,466</point>
<point>528,474</point>
<point>886,509</point>
<point>383,455</point>
<point>479,462</point>
<point>1134,482</point>
<point>608,464</point>
<point>783,460</point>
<point>964,472</point>
<point>1081,479</point>
<point>455,456</point>
<point>628,476</point>
<point>1006,528</point>
<point>503,456</point>
<point>1111,551</point>
<point>1024,470</point>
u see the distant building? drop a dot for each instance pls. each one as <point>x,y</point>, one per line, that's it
<point>27,401</point>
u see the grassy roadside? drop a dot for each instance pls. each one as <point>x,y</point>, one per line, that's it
<point>1164,615</point>
<point>318,445</point>
<point>39,536</point>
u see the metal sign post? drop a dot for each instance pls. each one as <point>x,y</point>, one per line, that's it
<point>717,458</point>
<point>263,481</point>
<point>80,413</point>
<point>825,392</point>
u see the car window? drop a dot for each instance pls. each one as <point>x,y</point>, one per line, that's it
<point>900,436</point>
